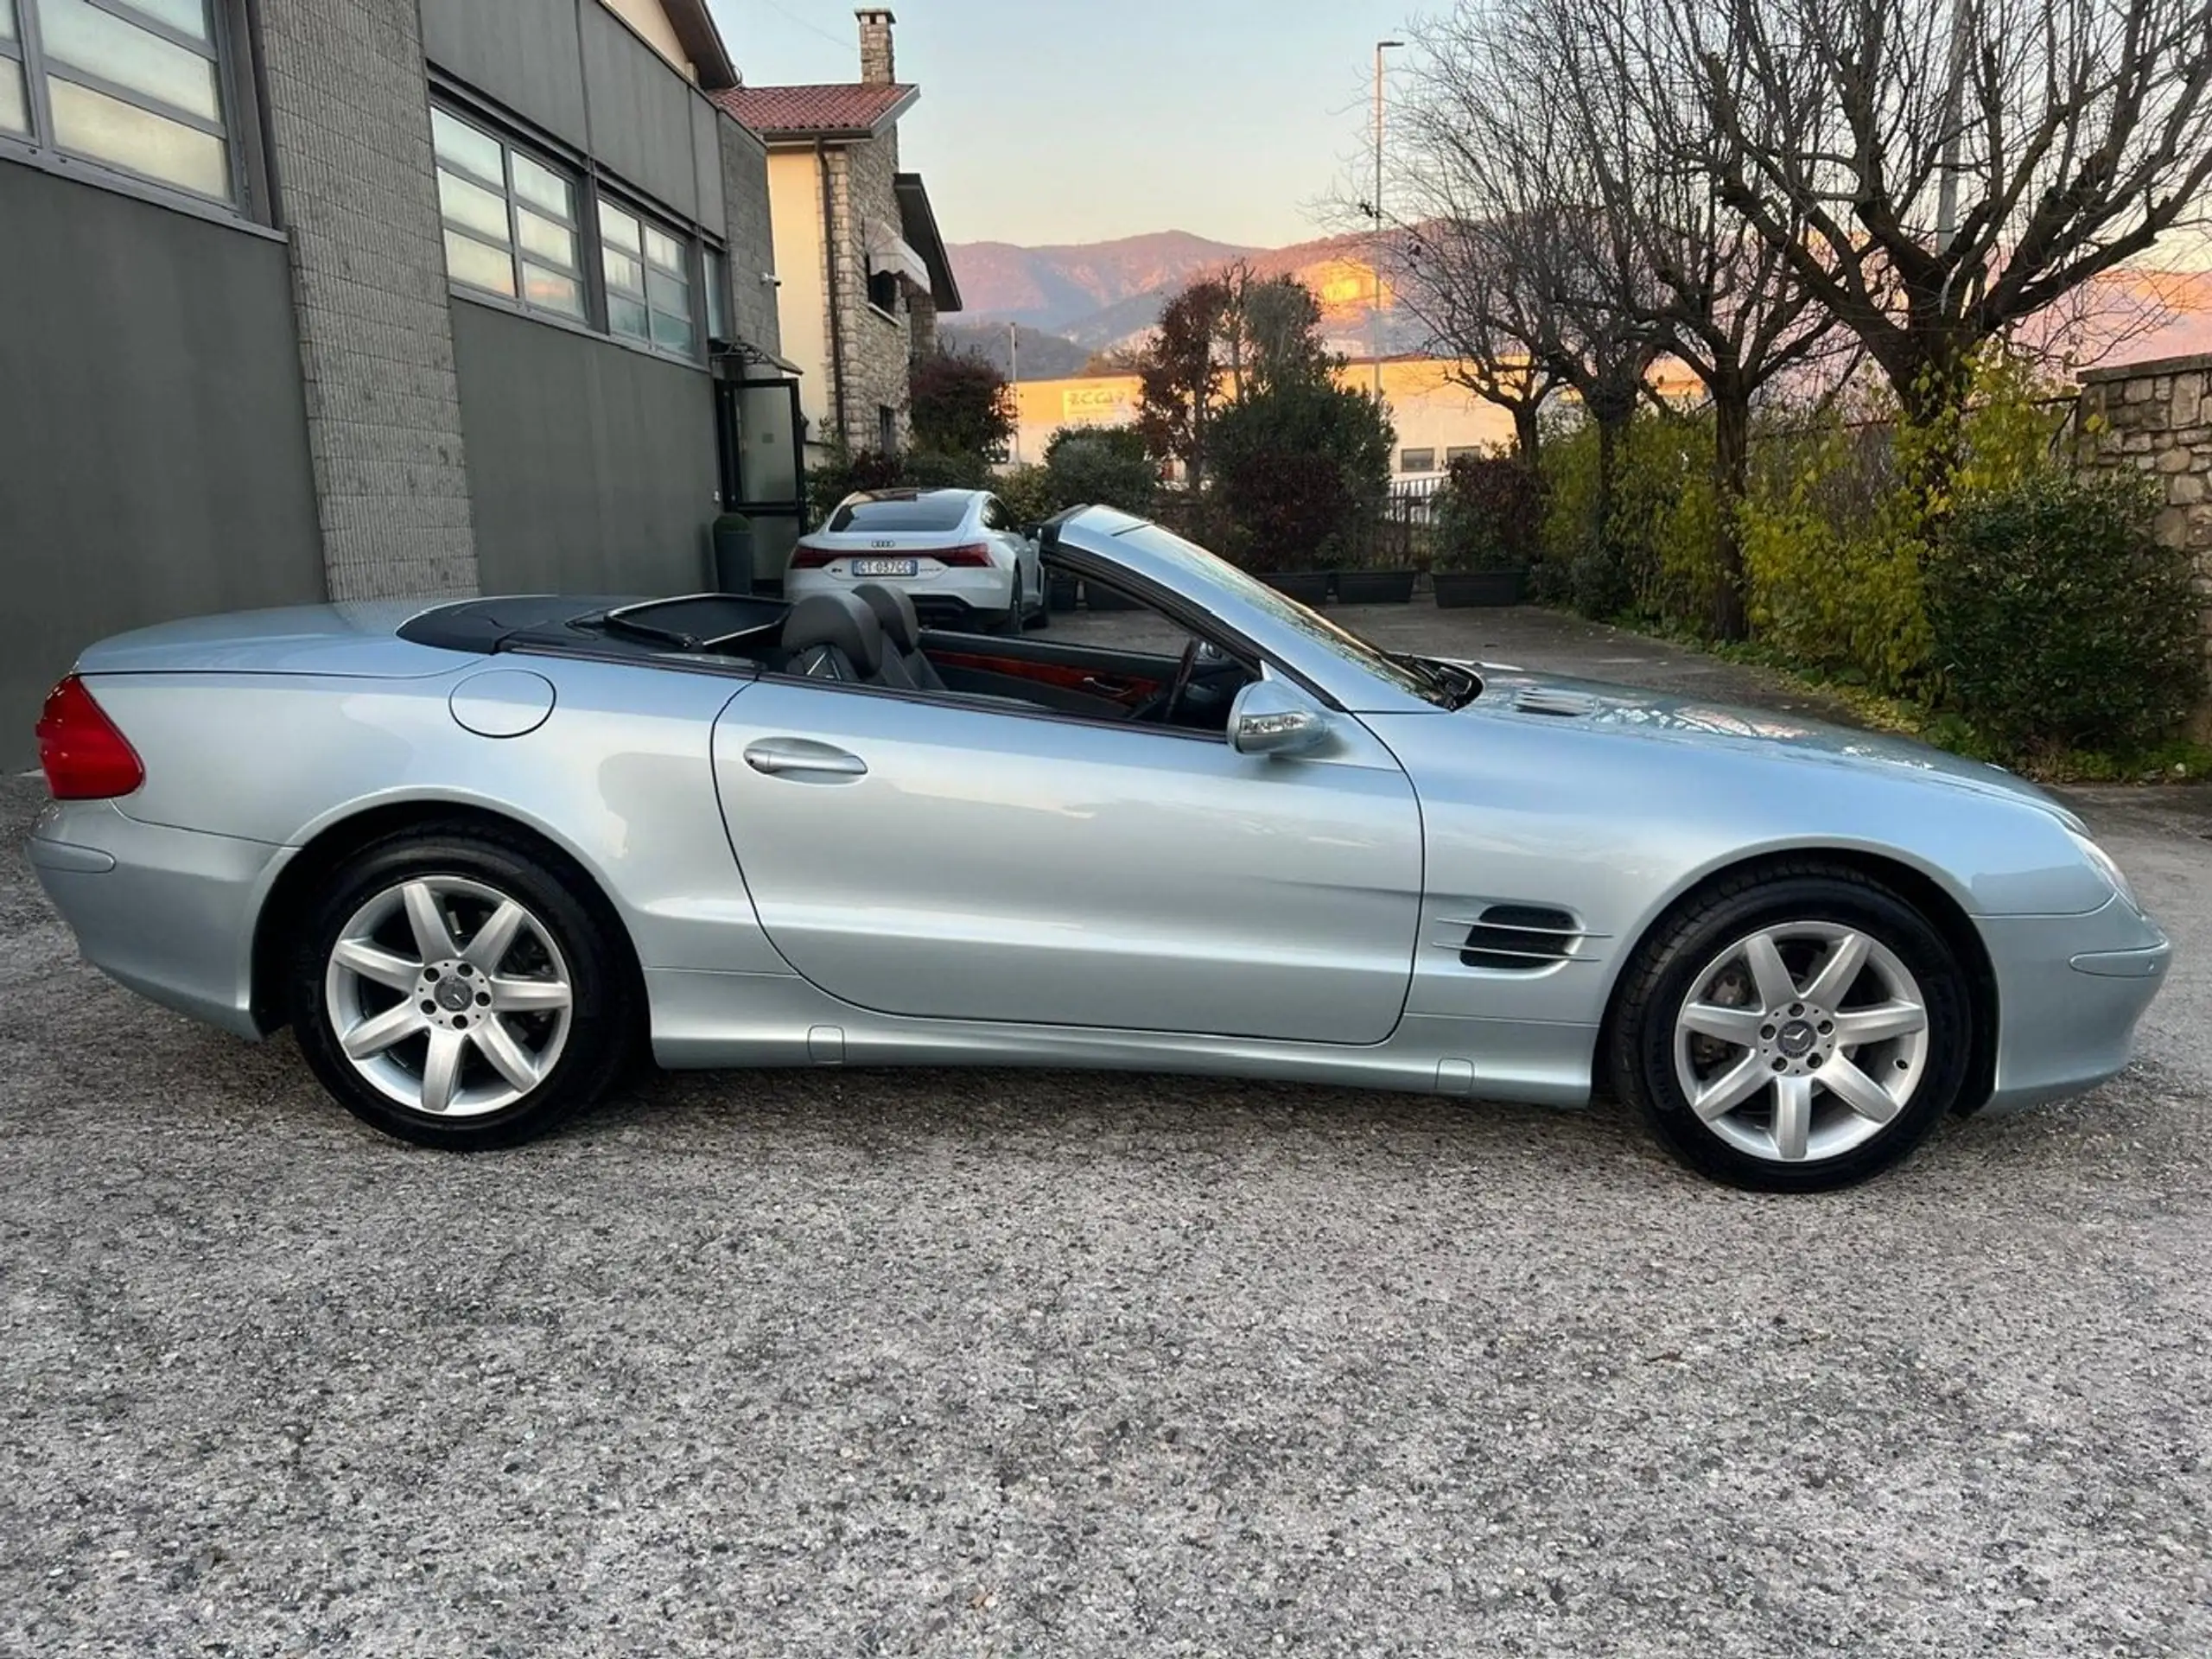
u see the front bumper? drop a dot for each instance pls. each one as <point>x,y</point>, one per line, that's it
<point>169,912</point>
<point>2069,990</point>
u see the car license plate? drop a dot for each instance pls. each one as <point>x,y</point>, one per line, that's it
<point>886,567</point>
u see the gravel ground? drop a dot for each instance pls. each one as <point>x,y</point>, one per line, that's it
<point>1010,1362</point>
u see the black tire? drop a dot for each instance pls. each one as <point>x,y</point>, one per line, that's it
<point>1666,969</point>
<point>604,1020</point>
<point>1010,623</point>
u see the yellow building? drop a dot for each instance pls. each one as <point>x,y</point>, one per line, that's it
<point>1435,418</point>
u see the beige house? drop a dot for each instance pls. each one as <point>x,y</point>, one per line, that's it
<point>863,270</point>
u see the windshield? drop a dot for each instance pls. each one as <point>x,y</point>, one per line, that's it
<point>1432,681</point>
<point>944,510</point>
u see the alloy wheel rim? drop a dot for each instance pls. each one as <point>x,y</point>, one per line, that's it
<point>448,996</point>
<point>1801,1042</point>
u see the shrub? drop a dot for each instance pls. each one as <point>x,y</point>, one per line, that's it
<point>1654,555</point>
<point>1292,466</point>
<point>961,406</point>
<point>1833,548</point>
<point>1107,466</point>
<point>2060,621</point>
<point>942,469</point>
<point>1030,494</point>
<point>1489,515</point>
<point>1837,540</point>
<point>842,472</point>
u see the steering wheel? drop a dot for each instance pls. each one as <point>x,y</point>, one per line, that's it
<point>1183,671</point>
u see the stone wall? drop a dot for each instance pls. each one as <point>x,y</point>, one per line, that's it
<point>878,351</point>
<point>2157,416</point>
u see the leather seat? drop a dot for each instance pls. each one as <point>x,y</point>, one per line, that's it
<point>835,637</point>
<point>903,661</point>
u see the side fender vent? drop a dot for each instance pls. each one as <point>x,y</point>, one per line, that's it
<point>1520,938</point>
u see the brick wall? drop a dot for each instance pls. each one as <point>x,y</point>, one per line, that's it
<point>350,140</point>
<point>2157,416</point>
<point>877,346</point>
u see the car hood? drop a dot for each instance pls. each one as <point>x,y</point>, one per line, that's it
<point>1517,695</point>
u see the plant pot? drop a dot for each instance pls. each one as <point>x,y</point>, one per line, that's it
<point>1373,587</point>
<point>1307,586</point>
<point>1457,590</point>
<point>1060,593</point>
<point>1105,599</point>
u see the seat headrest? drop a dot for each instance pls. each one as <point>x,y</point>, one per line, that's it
<point>841,619</point>
<point>894,609</point>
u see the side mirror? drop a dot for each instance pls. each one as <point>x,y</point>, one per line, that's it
<point>1271,717</point>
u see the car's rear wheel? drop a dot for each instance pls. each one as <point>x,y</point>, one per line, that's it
<point>451,987</point>
<point>1794,1030</point>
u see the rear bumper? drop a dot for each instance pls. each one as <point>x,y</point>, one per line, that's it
<point>949,595</point>
<point>2070,991</point>
<point>167,912</point>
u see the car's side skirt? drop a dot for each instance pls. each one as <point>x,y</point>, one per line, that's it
<point>704,1020</point>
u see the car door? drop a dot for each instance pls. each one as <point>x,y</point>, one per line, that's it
<point>932,858</point>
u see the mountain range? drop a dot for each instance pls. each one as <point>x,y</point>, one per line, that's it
<point>1072,301</point>
<point>1101,295</point>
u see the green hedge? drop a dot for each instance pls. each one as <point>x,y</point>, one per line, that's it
<point>2061,622</point>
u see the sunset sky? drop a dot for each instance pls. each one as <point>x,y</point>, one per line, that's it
<point>1046,121</point>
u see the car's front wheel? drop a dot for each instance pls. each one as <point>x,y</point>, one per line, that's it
<point>451,987</point>
<point>1795,1030</point>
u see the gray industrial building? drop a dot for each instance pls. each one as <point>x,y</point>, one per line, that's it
<point>339,299</point>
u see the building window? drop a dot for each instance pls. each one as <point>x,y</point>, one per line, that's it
<point>648,282</point>
<point>883,291</point>
<point>510,221</point>
<point>887,429</point>
<point>717,268</point>
<point>1462,452</point>
<point>134,84</point>
<point>1416,461</point>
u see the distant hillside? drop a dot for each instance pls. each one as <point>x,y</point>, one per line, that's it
<point>1111,293</point>
<point>1053,288</point>
<point>1044,357</point>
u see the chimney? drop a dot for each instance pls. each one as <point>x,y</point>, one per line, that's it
<point>877,68</point>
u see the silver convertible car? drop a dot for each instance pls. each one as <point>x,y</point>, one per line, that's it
<point>477,854</point>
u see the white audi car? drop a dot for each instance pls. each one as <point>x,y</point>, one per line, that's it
<point>957,554</point>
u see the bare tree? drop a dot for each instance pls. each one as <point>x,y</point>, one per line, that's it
<point>1485,315</point>
<point>1727,305</point>
<point>1935,171</point>
<point>1519,247</point>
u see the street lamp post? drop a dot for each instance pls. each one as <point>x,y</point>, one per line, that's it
<point>1375,249</point>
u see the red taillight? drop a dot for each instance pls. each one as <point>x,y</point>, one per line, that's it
<point>85,757</point>
<point>810,558</point>
<point>975,556</point>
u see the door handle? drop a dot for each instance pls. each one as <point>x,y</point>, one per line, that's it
<point>1106,688</point>
<point>789,757</point>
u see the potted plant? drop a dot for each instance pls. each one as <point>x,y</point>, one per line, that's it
<point>1376,584</point>
<point>1307,586</point>
<point>1486,517</point>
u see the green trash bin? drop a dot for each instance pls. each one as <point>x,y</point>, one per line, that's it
<point>734,553</point>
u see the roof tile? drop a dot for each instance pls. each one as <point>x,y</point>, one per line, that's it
<point>843,108</point>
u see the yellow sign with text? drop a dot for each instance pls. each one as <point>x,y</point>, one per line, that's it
<point>1096,405</point>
